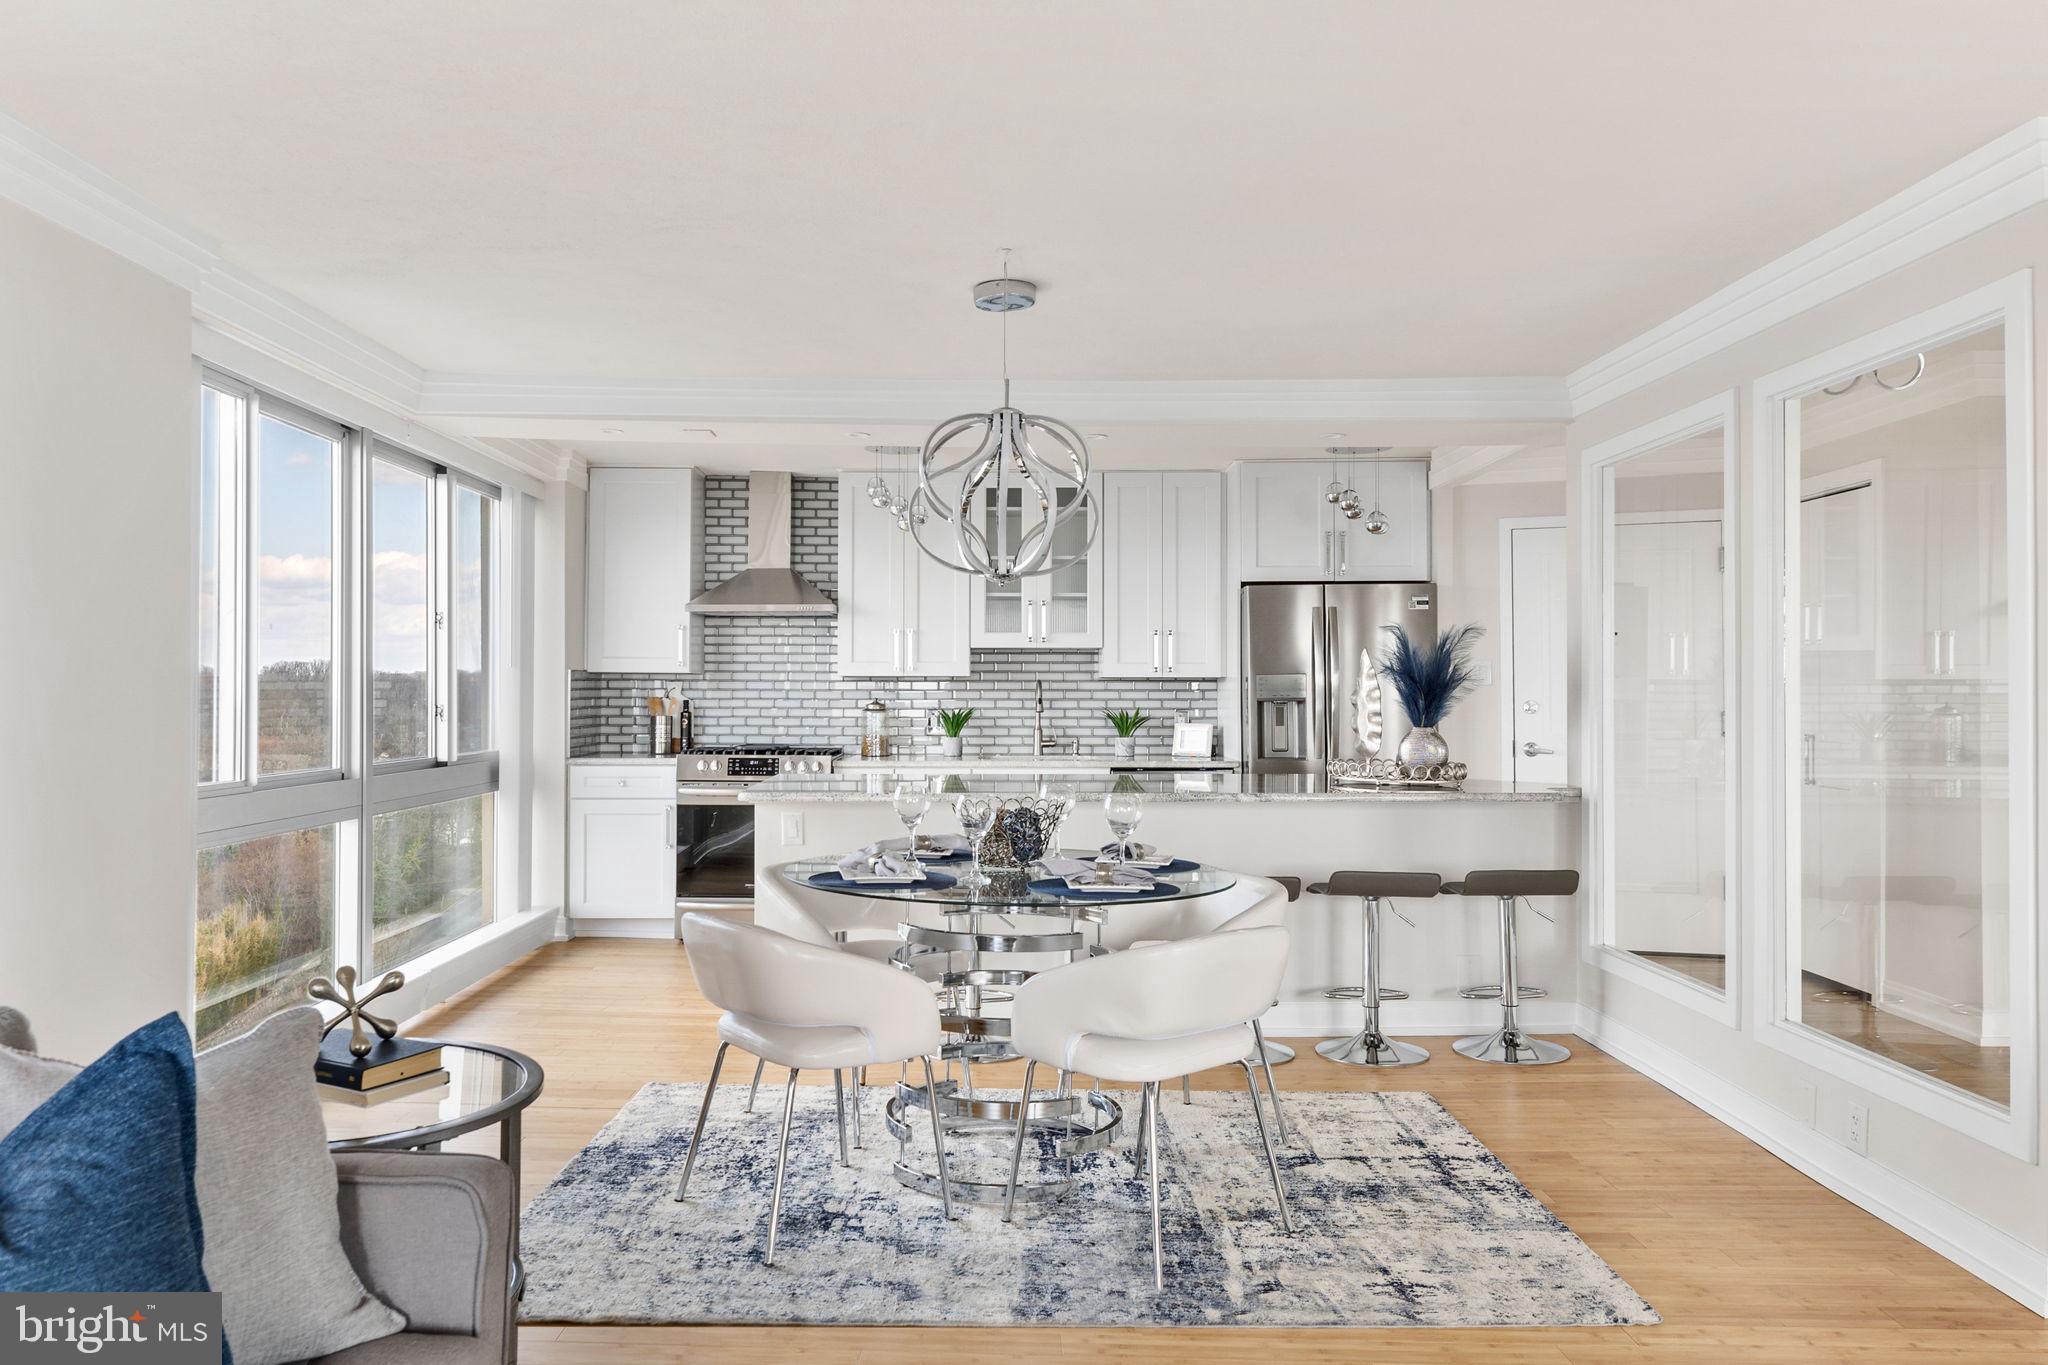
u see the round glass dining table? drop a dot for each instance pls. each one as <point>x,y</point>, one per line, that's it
<point>977,939</point>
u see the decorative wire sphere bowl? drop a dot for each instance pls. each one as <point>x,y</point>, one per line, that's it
<point>1392,772</point>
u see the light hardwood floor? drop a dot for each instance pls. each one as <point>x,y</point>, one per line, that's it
<point>1745,1258</point>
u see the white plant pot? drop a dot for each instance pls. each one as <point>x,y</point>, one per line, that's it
<point>1124,746</point>
<point>950,745</point>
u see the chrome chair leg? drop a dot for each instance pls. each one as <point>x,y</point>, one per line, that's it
<point>860,1074</point>
<point>1272,1162</point>
<point>931,1095</point>
<point>1017,1151</point>
<point>1266,1064</point>
<point>1187,1094</point>
<point>1152,1172</point>
<point>839,1113</point>
<point>781,1165</point>
<point>1144,1114</point>
<point>704,1109</point>
<point>755,1088</point>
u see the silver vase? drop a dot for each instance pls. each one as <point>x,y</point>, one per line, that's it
<point>1423,747</point>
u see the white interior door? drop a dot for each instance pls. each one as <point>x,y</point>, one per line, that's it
<point>1536,670</point>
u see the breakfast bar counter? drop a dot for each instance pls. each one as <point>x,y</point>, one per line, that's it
<point>1283,825</point>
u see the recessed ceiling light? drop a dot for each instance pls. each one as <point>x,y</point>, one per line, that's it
<point>1098,436</point>
<point>860,435</point>
<point>1333,436</point>
<point>613,431</point>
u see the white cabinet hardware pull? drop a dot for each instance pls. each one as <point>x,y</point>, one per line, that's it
<point>1169,649</point>
<point>1685,654</point>
<point>1327,556</point>
<point>896,648</point>
<point>1344,552</point>
<point>1155,651</point>
<point>1934,651</point>
<point>1948,638</point>
<point>1671,654</point>
<point>910,647</point>
<point>679,643</point>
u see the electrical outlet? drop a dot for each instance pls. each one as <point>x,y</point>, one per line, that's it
<point>1857,1133</point>
<point>1483,674</point>
<point>792,827</point>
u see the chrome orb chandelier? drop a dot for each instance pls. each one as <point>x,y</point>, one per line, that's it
<point>1042,459</point>
<point>1346,497</point>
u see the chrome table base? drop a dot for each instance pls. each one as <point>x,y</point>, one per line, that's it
<point>1080,1123</point>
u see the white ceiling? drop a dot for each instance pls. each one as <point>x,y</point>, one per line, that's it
<point>769,190</point>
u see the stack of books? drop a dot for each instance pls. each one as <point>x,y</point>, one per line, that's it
<point>393,1067</point>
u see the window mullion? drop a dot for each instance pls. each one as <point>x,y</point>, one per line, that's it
<point>353,896</point>
<point>247,569</point>
<point>441,666</point>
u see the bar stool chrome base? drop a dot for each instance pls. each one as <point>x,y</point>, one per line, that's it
<point>1493,993</point>
<point>1370,1047</point>
<point>1511,1046</point>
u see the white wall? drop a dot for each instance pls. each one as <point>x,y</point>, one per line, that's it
<point>1466,524</point>
<point>557,647</point>
<point>97,603</point>
<point>1982,1201</point>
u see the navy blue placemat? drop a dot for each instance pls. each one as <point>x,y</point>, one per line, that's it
<point>832,881</point>
<point>1053,886</point>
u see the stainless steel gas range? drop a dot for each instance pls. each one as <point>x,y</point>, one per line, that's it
<point>715,829</point>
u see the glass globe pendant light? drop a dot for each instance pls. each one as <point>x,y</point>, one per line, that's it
<point>1347,499</point>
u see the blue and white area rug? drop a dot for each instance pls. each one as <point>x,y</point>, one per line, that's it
<point>1402,1219</point>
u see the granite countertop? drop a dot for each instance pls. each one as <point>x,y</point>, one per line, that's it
<point>1025,763</point>
<point>666,760</point>
<point>873,787</point>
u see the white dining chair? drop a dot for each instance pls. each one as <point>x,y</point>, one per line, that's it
<point>807,1006</point>
<point>1149,1015</point>
<point>1252,902</point>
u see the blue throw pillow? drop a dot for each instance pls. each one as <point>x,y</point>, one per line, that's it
<point>96,1186</point>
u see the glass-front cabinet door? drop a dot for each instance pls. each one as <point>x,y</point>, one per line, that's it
<point>1899,735</point>
<point>1059,610</point>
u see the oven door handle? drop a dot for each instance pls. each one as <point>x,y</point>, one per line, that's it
<point>707,796</point>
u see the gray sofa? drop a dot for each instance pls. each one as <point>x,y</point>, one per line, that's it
<point>431,1234</point>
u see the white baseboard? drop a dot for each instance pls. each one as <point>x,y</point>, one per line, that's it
<point>1335,1018</point>
<point>623,928</point>
<point>448,971</point>
<point>1991,1254</point>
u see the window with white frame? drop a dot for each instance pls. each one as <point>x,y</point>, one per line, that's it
<point>1664,683</point>
<point>347,770</point>
<point>1900,768</point>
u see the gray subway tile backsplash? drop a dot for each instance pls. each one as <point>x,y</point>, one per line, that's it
<point>767,680</point>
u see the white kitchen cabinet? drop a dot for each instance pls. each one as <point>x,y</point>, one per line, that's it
<point>1943,612</point>
<point>1839,579</point>
<point>622,849</point>
<point>901,614</point>
<point>1289,530</point>
<point>1162,553</point>
<point>1059,610</point>
<point>644,557</point>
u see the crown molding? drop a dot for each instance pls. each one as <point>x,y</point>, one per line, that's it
<point>2007,175</point>
<point>1108,400</point>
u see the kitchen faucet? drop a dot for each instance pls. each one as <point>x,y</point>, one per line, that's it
<point>1043,740</point>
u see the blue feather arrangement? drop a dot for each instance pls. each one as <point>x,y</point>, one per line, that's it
<point>1429,681</point>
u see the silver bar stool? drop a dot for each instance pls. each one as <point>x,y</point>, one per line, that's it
<point>1508,1043</point>
<point>1369,1046</point>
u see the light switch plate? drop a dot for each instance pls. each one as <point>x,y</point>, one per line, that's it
<point>792,827</point>
<point>1483,674</point>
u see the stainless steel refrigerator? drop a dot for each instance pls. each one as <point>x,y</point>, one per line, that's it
<point>1311,689</point>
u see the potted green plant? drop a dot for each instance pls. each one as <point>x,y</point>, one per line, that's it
<point>1126,724</point>
<point>951,723</point>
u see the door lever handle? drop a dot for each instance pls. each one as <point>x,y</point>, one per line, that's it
<point>1532,749</point>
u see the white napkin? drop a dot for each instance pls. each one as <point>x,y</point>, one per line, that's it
<point>874,864</point>
<point>1082,876</point>
<point>935,846</point>
<point>1142,855</point>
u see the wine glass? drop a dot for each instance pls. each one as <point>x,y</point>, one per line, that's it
<point>1059,802</point>
<point>975,814</point>
<point>1123,810</point>
<point>912,797</point>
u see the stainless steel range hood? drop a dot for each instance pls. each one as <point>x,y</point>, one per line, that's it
<point>767,586</point>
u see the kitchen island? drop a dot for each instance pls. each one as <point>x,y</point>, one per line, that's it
<point>1282,825</point>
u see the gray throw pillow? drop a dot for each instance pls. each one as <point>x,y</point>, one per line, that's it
<point>26,1080</point>
<point>14,1030</point>
<point>267,1197</point>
